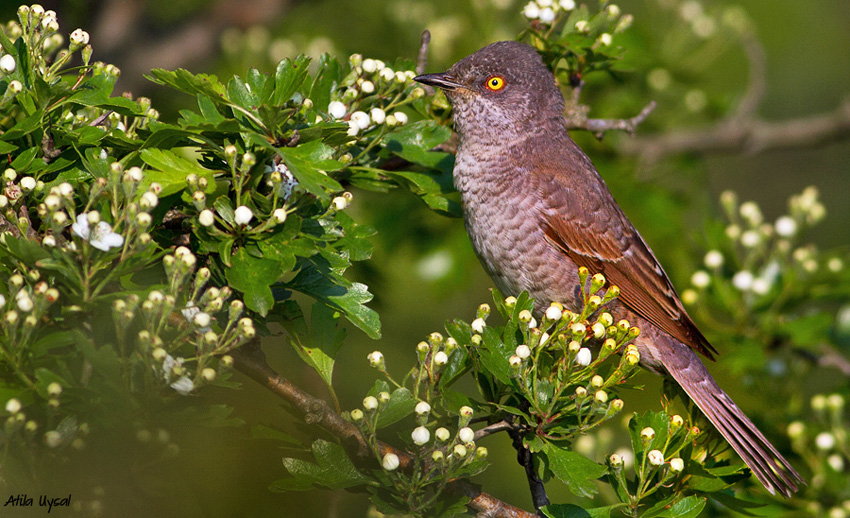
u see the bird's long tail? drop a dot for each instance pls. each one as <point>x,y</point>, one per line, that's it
<point>768,465</point>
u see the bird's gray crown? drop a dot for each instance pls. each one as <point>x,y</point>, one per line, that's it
<point>529,93</point>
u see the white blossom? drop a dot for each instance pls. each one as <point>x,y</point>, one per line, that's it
<point>700,279</point>
<point>523,351</point>
<point>183,386</point>
<point>466,435</point>
<point>553,313</point>
<point>243,215</point>
<point>478,325</point>
<point>361,119</point>
<point>378,115</point>
<point>422,408</point>
<point>786,226</point>
<point>206,218</point>
<point>713,259</point>
<point>420,435</point>
<point>441,358</point>
<point>677,464</point>
<point>336,110</point>
<point>390,461</point>
<point>401,117</point>
<point>655,457</point>
<point>8,63</point>
<point>103,238</point>
<point>743,280</point>
<point>583,357</point>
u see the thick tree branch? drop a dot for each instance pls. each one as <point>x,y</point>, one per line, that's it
<point>251,361</point>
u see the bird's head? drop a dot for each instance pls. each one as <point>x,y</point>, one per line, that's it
<point>503,85</point>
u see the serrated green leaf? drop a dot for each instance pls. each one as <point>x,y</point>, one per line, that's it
<point>333,469</point>
<point>289,76</point>
<point>253,276</point>
<point>321,346</point>
<point>574,511</point>
<point>171,170</point>
<point>414,142</point>
<point>575,470</point>
<point>688,507</point>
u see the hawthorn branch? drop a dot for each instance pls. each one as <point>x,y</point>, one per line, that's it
<point>577,119</point>
<point>753,136</point>
<point>250,360</point>
<point>422,59</point>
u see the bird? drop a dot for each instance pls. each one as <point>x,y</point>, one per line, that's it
<point>536,210</point>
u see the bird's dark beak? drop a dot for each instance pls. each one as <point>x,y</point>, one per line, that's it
<point>441,80</point>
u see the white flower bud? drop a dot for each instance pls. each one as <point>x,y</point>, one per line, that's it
<point>786,226</point>
<point>361,119</point>
<point>367,87</point>
<point>442,434</point>
<point>553,313</point>
<point>531,11</point>
<point>80,37</point>
<point>700,279</point>
<point>547,15</point>
<point>825,441</point>
<point>598,330</point>
<point>243,215</point>
<point>336,110</point>
<point>420,435</point>
<point>655,457</point>
<point>713,259</point>
<point>478,325</point>
<point>466,435</point>
<point>28,183</point>
<point>422,408</point>
<point>8,63</point>
<point>568,5</point>
<point>15,87</point>
<point>201,319</point>
<point>750,238</point>
<point>13,406</point>
<point>208,374</point>
<point>401,118</point>
<point>376,358</point>
<point>583,357</point>
<point>378,115</point>
<point>796,430</point>
<point>441,358</point>
<point>370,403</point>
<point>466,411</point>
<point>459,451</point>
<point>340,202</point>
<point>206,218</point>
<point>390,461</point>
<point>149,200</point>
<point>677,464</point>
<point>523,351</point>
<point>743,280</point>
<point>647,434</point>
<point>387,74</point>
<point>582,26</point>
<point>369,65</point>
<point>279,216</point>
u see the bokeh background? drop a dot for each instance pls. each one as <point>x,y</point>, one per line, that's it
<point>423,271</point>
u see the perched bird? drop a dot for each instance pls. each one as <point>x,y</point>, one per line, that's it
<point>536,210</point>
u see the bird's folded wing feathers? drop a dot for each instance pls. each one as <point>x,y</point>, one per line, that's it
<point>594,233</point>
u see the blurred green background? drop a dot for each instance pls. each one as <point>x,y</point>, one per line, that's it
<point>424,271</point>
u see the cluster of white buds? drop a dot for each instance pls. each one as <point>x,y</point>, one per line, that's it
<point>545,11</point>
<point>702,24</point>
<point>370,81</point>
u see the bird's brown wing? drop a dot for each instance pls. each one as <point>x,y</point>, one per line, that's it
<point>593,231</point>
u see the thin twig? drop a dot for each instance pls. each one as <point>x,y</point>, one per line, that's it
<point>501,426</point>
<point>251,361</point>
<point>422,60</point>
<point>525,459</point>
<point>578,120</point>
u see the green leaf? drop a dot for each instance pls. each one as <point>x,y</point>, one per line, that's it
<point>265,432</point>
<point>414,143</point>
<point>688,507</point>
<point>185,81</point>
<point>494,354</point>
<point>171,170</point>
<point>400,405</point>
<point>658,422</point>
<point>324,341</point>
<point>288,78</point>
<point>334,290</point>
<point>309,164</point>
<point>333,469</point>
<point>208,110</point>
<point>574,511</point>
<point>577,471</point>
<point>253,276</point>
<point>239,94</point>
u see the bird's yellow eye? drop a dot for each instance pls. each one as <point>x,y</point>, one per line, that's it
<point>495,83</point>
